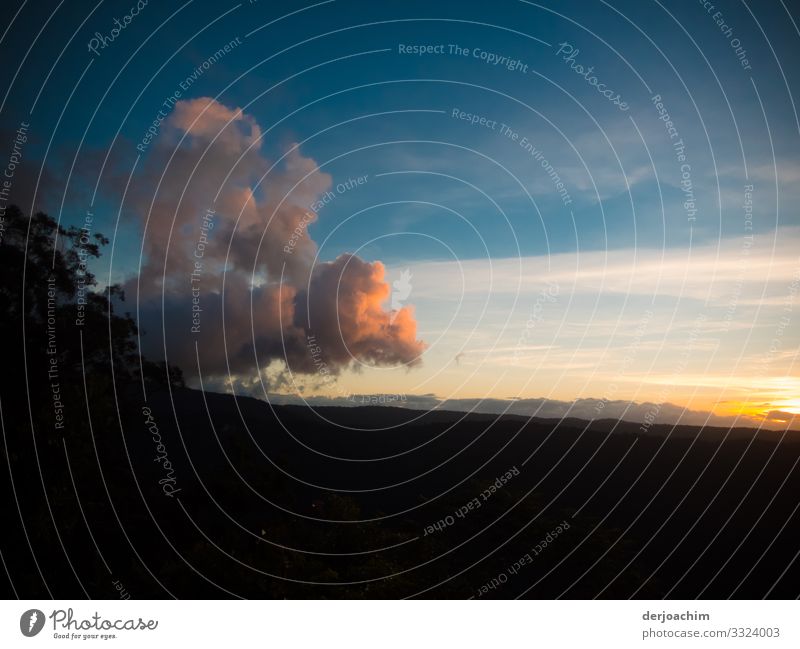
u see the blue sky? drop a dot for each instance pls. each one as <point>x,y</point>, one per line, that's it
<point>442,193</point>
<point>546,105</point>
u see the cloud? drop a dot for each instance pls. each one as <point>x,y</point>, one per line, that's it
<point>780,417</point>
<point>230,266</point>
<point>762,269</point>
<point>350,292</point>
<point>586,409</point>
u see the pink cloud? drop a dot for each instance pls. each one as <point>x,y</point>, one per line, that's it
<point>208,157</point>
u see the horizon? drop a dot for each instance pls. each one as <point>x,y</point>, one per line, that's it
<point>532,409</point>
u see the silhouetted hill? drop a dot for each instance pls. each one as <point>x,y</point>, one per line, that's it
<point>643,508</point>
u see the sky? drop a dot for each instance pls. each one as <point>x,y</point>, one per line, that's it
<point>563,208</point>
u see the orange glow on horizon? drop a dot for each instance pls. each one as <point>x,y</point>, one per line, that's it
<point>770,412</point>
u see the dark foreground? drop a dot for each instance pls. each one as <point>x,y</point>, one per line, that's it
<point>244,500</point>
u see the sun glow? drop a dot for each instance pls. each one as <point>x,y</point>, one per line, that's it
<point>774,402</point>
<point>791,405</point>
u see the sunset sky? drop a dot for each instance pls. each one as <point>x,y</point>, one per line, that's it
<point>565,246</point>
